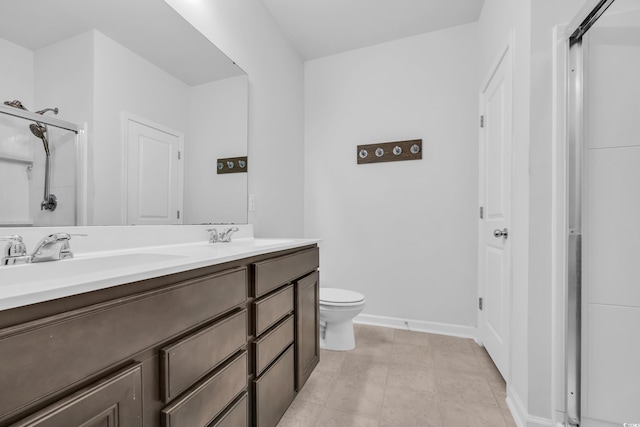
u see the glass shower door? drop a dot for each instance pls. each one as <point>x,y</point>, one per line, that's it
<point>610,339</point>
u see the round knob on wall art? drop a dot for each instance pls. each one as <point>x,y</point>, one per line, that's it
<point>220,165</point>
<point>230,165</point>
<point>397,150</point>
<point>242,163</point>
<point>379,152</point>
<point>363,154</point>
<point>415,149</point>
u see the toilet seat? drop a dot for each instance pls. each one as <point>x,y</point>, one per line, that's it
<point>340,297</point>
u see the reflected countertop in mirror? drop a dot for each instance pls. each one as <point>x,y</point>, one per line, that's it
<point>158,101</point>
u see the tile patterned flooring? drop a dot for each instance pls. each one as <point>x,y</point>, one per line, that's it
<point>397,378</point>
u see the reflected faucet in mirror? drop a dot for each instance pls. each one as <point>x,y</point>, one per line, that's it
<point>50,202</point>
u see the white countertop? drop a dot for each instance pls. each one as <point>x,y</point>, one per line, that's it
<point>26,284</point>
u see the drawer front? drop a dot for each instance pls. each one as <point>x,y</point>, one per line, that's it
<point>270,309</point>
<point>275,272</point>
<point>81,342</point>
<point>201,404</point>
<point>271,344</point>
<point>275,391</point>
<point>113,401</point>
<point>236,416</point>
<point>189,359</point>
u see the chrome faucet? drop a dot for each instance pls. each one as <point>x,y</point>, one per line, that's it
<point>52,248</point>
<point>223,236</point>
<point>15,252</point>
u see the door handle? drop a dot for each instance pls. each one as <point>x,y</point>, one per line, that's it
<point>501,233</point>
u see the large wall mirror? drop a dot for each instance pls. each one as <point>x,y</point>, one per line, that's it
<point>157,105</point>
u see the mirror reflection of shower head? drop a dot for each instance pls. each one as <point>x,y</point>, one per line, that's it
<point>15,104</point>
<point>40,131</point>
<point>41,112</point>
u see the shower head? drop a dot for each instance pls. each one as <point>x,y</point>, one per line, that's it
<point>41,132</point>
<point>16,104</point>
<point>41,112</point>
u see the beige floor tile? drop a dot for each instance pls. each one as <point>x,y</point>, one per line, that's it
<point>318,387</point>
<point>412,378</point>
<point>301,414</point>
<point>411,337</point>
<point>499,390</point>
<point>336,418</point>
<point>508,419</point>
<point>331,361</point>
<point>364,369</point>
<point>489,371</point>
<point>373,350</point>
<point>464,388</point>
<point>411,354</point>
<point>455,414</point>
<point>373,333</point>
<point>398,378</point>
<point>447,344</point>
<point>458,362</point>
<point>409,409</point>
<point>359,398</point>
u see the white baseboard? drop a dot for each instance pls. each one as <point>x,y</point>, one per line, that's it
<point>519,412</point>
<point>417,325</point>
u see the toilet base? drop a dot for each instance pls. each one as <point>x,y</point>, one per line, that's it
<point>337,336</point>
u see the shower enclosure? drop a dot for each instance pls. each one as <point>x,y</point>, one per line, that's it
<point>602,350</point>
<point>39,173</point>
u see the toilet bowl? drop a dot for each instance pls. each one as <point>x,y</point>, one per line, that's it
<point>338,307</point>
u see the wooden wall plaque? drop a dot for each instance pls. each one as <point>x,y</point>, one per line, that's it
<point>389,151</point>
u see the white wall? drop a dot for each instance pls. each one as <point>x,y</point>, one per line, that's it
<point>16,82</point>
<point>248,34</point>
<point>125,82</point>
<point>217,129</point>
<point>402,233</point>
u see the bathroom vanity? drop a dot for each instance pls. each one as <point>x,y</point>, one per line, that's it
<point>227,338</point>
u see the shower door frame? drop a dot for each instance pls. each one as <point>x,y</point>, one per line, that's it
<point>80,131</point>
<point>569,139</point>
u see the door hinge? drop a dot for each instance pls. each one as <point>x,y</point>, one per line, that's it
<point>481,121</point>
<point>178,214</point>
<point>179,155</point>
<point>481,212</point>
<point>480,303</point>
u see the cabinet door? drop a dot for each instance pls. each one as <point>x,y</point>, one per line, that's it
<point>307,310</point>
<point>274,391</point>
<point>112,402</point>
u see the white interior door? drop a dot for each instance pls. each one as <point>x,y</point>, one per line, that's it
<point>611,221</point>
<point>154,175</point>
<point>495,201</point>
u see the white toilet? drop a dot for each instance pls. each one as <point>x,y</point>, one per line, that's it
<point>338,307</point>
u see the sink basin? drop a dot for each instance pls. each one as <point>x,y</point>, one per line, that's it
<point>42,271</point>
<point>115,261</point>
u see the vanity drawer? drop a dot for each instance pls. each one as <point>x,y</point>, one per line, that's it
<point>205,401</point>
<point>236,416</point>
<point>184,362</point>
<point>274,391</point>
<point>272,308</point>
<point>271,344</point>
<point>274,272</point>
<point>79,343</point>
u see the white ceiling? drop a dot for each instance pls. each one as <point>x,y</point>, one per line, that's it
<point>151,28</point>
<point>320,28</point>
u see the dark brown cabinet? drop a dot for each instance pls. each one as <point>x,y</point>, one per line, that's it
<point>307,310</point>
<point>113,401</point>
<point>220,346</point>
